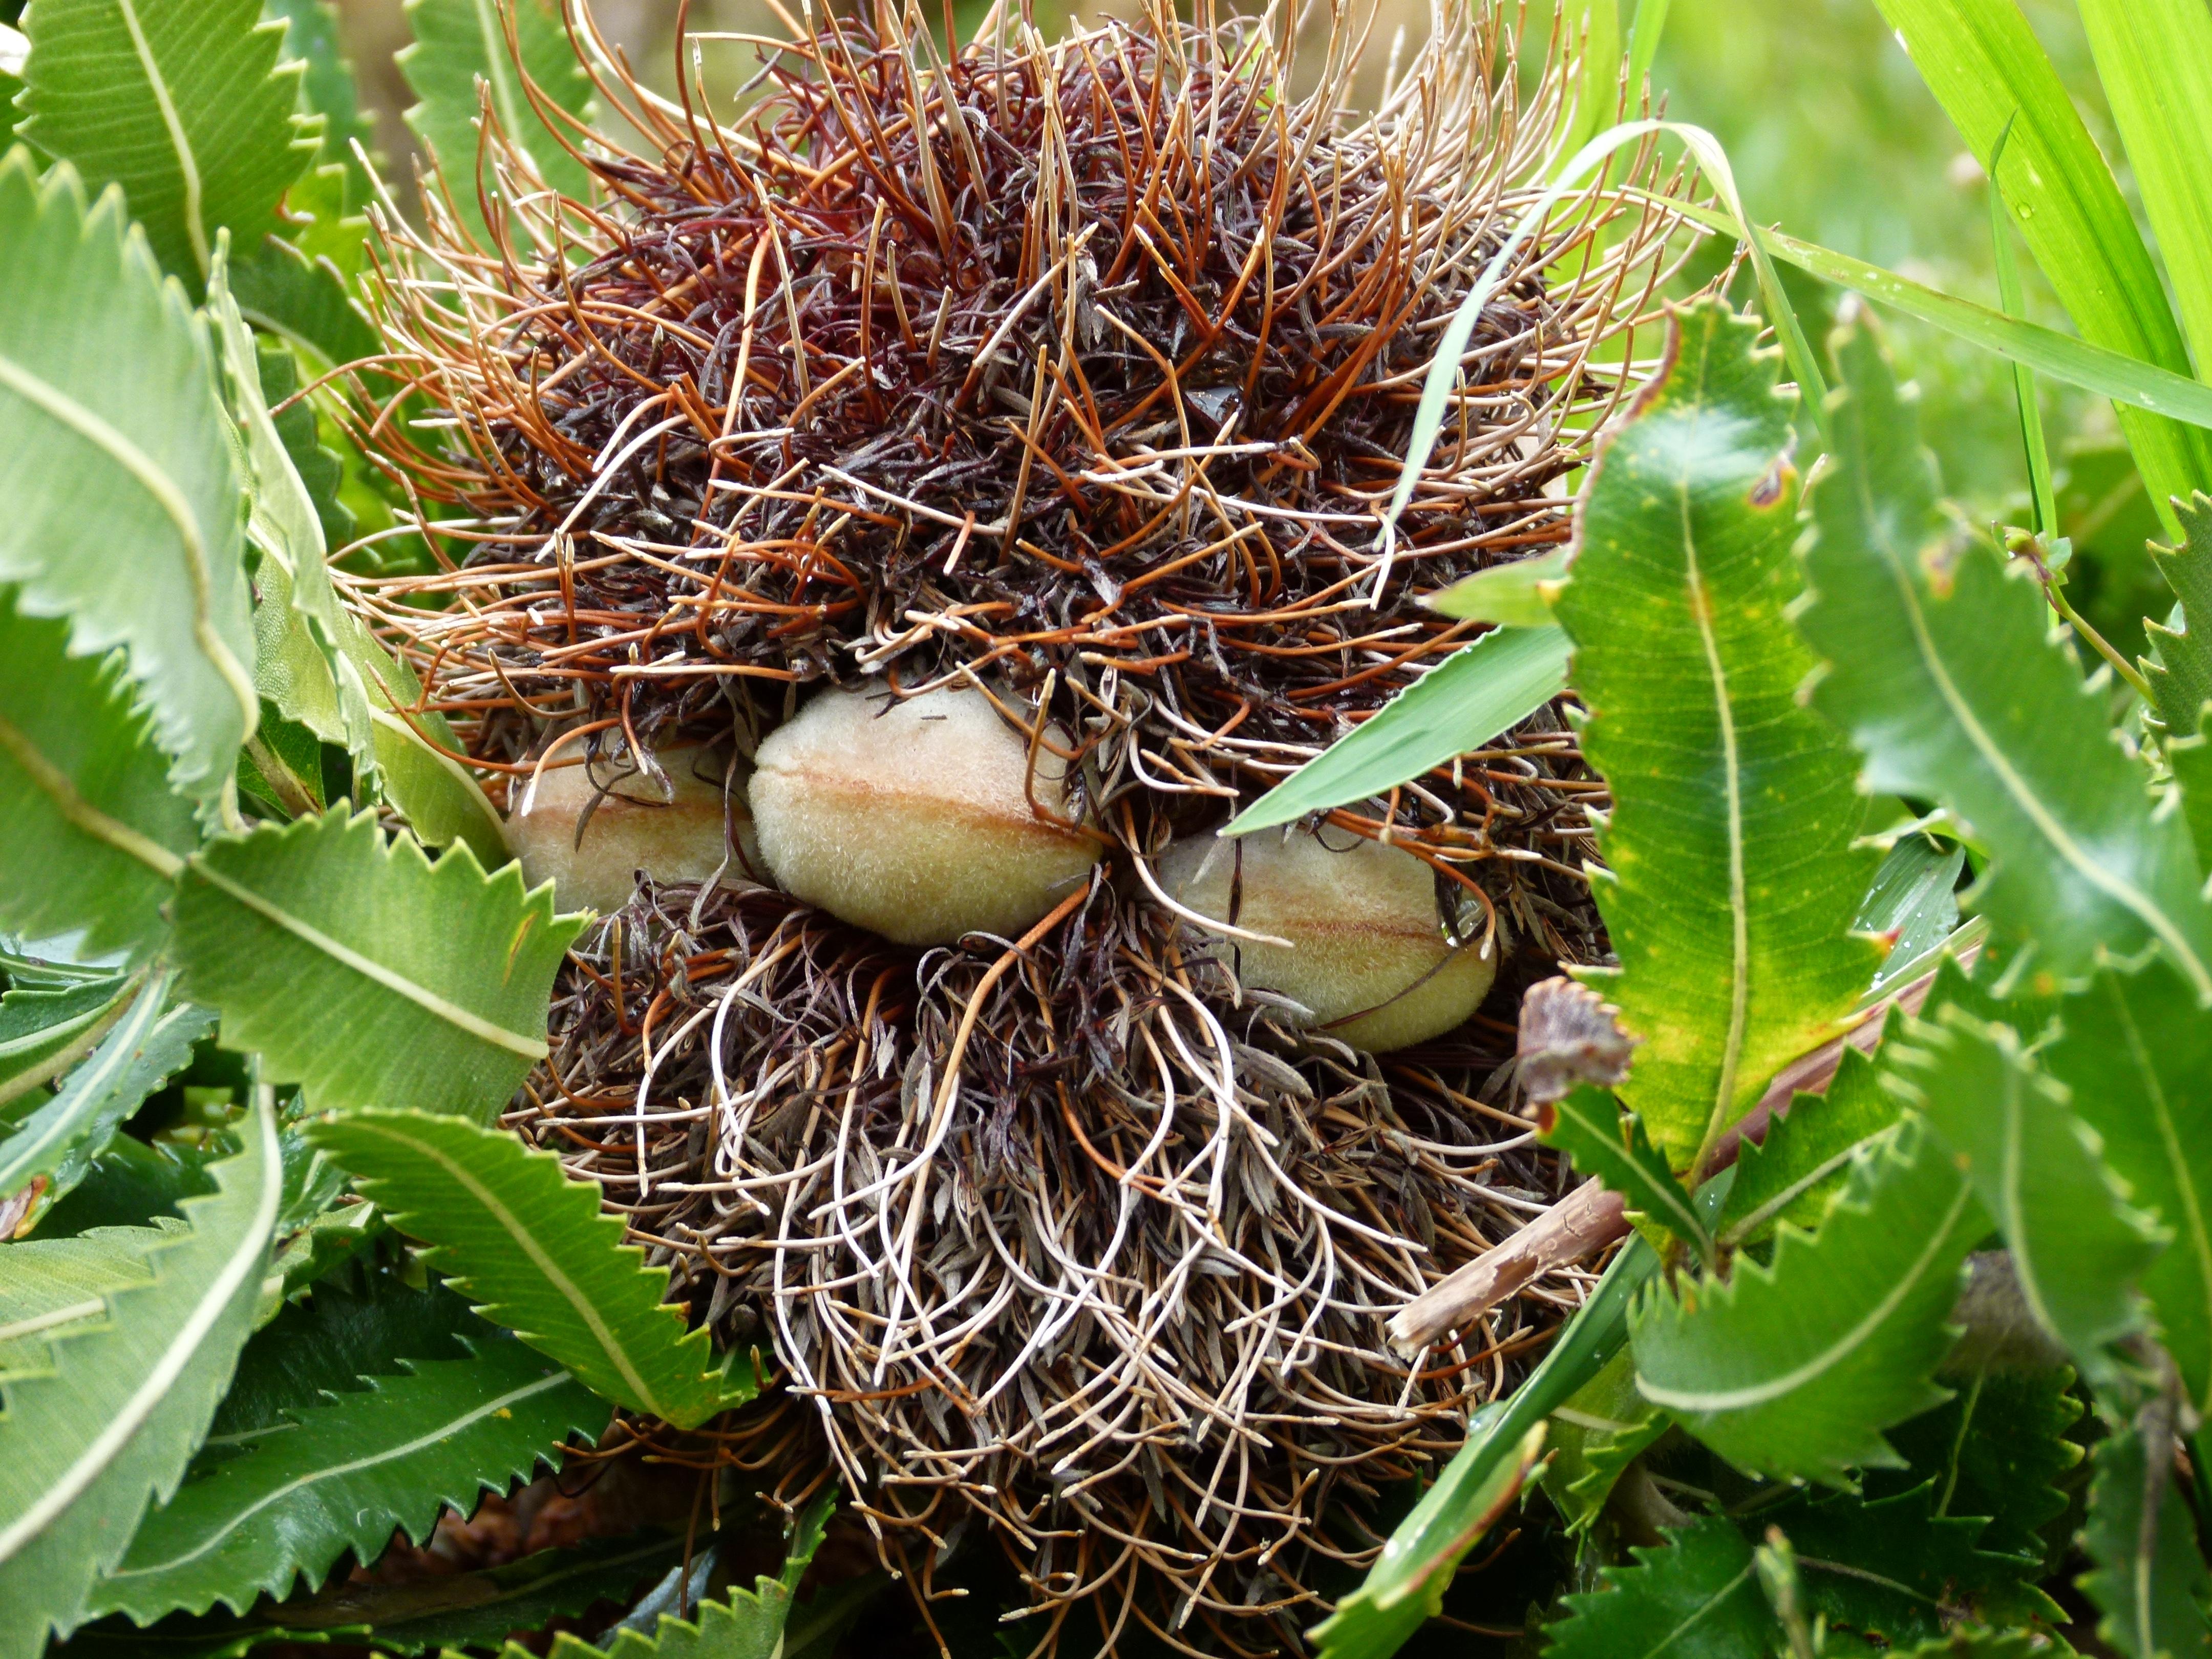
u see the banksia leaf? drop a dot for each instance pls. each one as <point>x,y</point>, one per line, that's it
<point>2181,674</point>
<point>1807,1157</point>
<point>1793,1368</point>
<point>2191,759</point>
<point>44,1029</point>
<point>365,973</point>
<point>1734,878</point>
<point>2039,1170</point>
<point>96,838</point>
<point>352,1469</point>
<point>55,1145</point>
<point>2149,1578</point>
<point>1595,1437</point>
<point>1694,1597</point>
<point>123,506</point>
<point>1995,1448</point>
<point>85,1443</point>
<point>181,102</point>
<point>327,87</point>
<point>1588,1126</point>
<point>63,1282</point>
<point>1942,664</point>
<point>530,1250</point>
<point>460,43</point>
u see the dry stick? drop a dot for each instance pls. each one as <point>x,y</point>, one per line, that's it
<point>1590,1217</point>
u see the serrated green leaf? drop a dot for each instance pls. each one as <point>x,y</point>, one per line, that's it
<point>1464,703</point>
<point>131,1185</point>
<point>1406,1585</point>
<point>63,1282</point>
<point>1595,1435</point>
<point>363,972</point>
<point>1695,1597</point>
<point>1589,1127</point>
<point>321,470</point>
<point>84,1447</point>
<point>2190,759</point>
<point>342,1333</point>
<point>2181,675</point>
<point>58,1141</point>
<point>327,87</point>
<point>1733,880</point>
<point>1942,667</point>
<point>1914,896</point>
<point>1981,60</point>
<point>1807,1156</point>
<point>122,501</point>
<point>530,1249</point>
<point>2150,1580</point>
<point>95,837</point>
<point>1896,1570</point>
<point>1994,1450</point>
<point>2135,1052</point>
<point>475,1609</point>
<point>43,1032</point>
<point>458,42</point>
<point>2038,1168</point>
<point>182,103</point>
<point>748,1625</point>
<point>303,297</point>
<point>355,1468</point>
<point>1793,1368</point>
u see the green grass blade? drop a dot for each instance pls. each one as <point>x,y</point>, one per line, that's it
<point>2154,62</point>
<point>2033,443</point>
<point>1461,704</point>
<point>531,1248</point>
<point>86,1443</point>
<point>1983,62</point>
<point>1644,37</point>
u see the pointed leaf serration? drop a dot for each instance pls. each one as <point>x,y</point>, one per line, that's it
<point>1701,1578</point>
<point>2181,677</point>
<point>123,503</point>
<point>354,1469</point>
<point>181,102</point>
<point>85,1443</point>
<point>1734,878</point>
<point>1942,664</point>
<point>1793,1368</point>
<point>362,971</point>
<point>531,1249</point>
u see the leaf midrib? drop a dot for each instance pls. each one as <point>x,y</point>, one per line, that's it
<point>300,1483</point>
<point>187,164</point>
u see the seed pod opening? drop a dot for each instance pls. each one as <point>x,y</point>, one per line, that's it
<point>921,819</point>
<point>592,829</point>
<point>1365,948</point>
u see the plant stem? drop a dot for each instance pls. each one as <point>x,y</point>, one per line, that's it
<point>2031,548</point>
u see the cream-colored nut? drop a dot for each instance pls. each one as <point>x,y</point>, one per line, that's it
<point>913,818</point>
<point>1367,947</point>
<point>674,834</point>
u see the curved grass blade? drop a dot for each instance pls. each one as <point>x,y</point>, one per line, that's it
<point>1941,665</point>
<point>85,1444</point>
<point>1407,1584</point>
<point>181,102</point>
<point>354,1468</point>
<point>530,1249</point>
<point>365,973</point>
<point>1461,704</point>
<point>1981,60</point>
<point>122,501</point>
